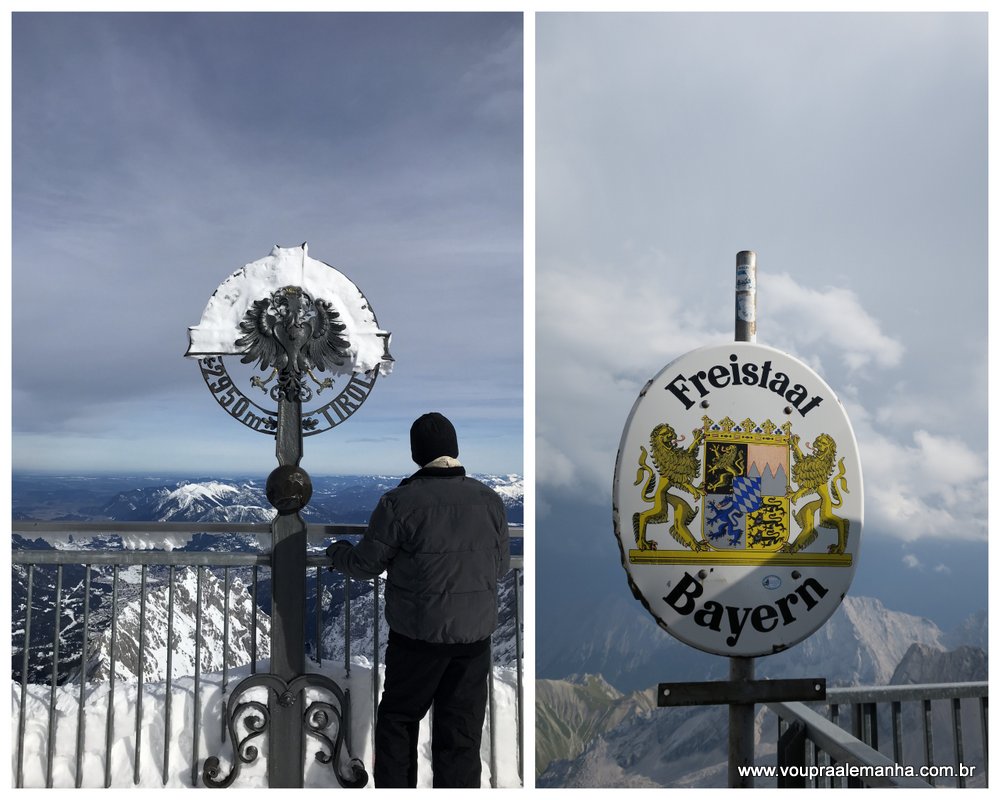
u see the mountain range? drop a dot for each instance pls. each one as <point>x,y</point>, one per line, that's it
<point>337,499</point>
<point>592,733</point>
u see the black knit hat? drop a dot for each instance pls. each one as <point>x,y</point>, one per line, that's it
<point>432,436</point>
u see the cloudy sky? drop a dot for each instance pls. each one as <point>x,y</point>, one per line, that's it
<point>849,151</point>
<point>153,155</point>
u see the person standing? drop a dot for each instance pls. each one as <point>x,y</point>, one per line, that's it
<point>442,538</point>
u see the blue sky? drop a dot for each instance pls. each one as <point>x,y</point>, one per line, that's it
<point>850,152</point>
<point>153,155</point>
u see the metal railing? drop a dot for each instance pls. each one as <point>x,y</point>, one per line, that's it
<point>814,744</point>
<point>64,581</point>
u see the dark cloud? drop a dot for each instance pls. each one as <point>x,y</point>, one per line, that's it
<point>848,150</point>
<point>153,155</point>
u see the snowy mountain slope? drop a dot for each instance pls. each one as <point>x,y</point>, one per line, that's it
<point>338,499</point>
<point>511,491</point>
<point>182,625</point>
<point>204,501</point>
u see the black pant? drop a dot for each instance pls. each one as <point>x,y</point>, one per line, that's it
<point>453,678</point>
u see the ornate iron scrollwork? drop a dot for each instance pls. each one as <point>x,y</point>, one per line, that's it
<point>293,334</point>
<point>316,719</point>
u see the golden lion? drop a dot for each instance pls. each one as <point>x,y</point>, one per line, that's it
<point>677,467</point>
<point>811,474</point>
<point>728,463</point>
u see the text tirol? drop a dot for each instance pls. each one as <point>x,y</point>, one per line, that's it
<point>734,373</point>
<point>764,618</point>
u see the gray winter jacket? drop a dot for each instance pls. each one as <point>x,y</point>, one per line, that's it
<point>443,539</point>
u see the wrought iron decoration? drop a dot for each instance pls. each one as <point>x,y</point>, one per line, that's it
<point>292,334</point>
<point>316,719</point>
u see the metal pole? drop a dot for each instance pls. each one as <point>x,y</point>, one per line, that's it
<point>288,594</point>
<point>741,728</point>
<point>741,732</point>
<point>746,296</point>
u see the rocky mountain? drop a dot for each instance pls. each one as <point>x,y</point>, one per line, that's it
<point>864,643</point>
<point>973,630</point>
<point>925,664</point>
<point>178,616</point>
<point>860,645</point>
<point>207,501</point>
<point>511,491</point>
<point>620,641</point>
<point>572,712</point>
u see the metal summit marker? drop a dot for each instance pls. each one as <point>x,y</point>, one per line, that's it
<point>289,317</point>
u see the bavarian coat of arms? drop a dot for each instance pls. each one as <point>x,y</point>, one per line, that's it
<point>731,495</point>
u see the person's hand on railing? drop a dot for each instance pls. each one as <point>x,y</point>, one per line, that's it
<point>338,550</point>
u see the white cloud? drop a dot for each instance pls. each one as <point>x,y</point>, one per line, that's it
<point>943,569</point>
<point>933,486</point>
<point>598,341</point>
<point>827,318</point>
<point>912,562</point>
<point>553,464</point>
<point>946,460</point>
<point>601,333</point>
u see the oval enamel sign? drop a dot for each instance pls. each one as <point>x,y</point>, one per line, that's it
<point>738,500</point>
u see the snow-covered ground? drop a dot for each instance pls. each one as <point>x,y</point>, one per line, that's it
<point>183,749</point>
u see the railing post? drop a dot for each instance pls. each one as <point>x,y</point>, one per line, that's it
<point>792,752</point>
<point>956,721</point>
<point>984,723</point>
<point>897,731</point>
<point>928,738</point>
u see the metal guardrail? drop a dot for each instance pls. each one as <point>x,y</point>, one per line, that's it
<point>91,559</point>
<point>806,738</point>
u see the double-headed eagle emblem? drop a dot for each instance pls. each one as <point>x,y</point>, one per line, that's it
<point>292,334</point>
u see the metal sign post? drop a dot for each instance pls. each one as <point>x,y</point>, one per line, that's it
<point>741,542</point>
<point>291,316</point>
<point>741,668</point>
